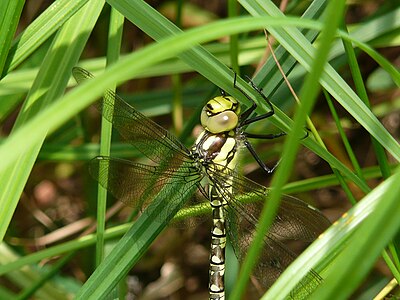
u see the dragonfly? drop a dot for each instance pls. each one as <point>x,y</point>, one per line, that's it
<point>212,165</point>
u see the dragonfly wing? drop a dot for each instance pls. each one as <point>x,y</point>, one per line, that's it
<point>147,136</point>
<point>135,184</point>
<point>295,220</point>
<point>275,255</point>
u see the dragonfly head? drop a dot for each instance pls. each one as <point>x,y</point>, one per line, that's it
<point>220,114</point>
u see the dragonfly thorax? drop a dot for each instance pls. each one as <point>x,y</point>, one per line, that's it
<point>220,149</point>
<point>220,114</point>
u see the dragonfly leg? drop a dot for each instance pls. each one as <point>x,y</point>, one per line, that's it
<point>245,116</point>
<point>264,136</point>
<point>267,169</point>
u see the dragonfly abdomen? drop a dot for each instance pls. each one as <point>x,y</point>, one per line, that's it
<point>218,244</point>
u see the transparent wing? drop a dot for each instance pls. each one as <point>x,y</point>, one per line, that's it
<point>295,220</point>
<point>135,184</point>
<point>147,136</point>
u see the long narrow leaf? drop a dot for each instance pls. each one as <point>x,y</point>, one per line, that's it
<point>49,85</point>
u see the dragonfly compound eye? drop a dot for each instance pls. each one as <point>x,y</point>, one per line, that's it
<point>220,114</point>
<point>221,122</point>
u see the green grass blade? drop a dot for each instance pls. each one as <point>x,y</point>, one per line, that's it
<point>358,257</point>
<point>10,11</point>
<point>67,247</point>
<point>49,85</point>
<point>40,30</point>
<point>362,91</point>
<point>113,50</point>
<point>31,290</point>
<point>27,277</point>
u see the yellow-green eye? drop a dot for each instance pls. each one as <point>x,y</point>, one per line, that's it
<point>220,114</point>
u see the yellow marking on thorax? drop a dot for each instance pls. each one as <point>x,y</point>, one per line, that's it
<point>225,150</point>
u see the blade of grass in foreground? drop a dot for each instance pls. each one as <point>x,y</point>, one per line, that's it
<point>39,31</point>
<point>308,96</point>
<point>350,238</point>
<point>113,50</point>
<point>48,86</point>
<point>10,11</point>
